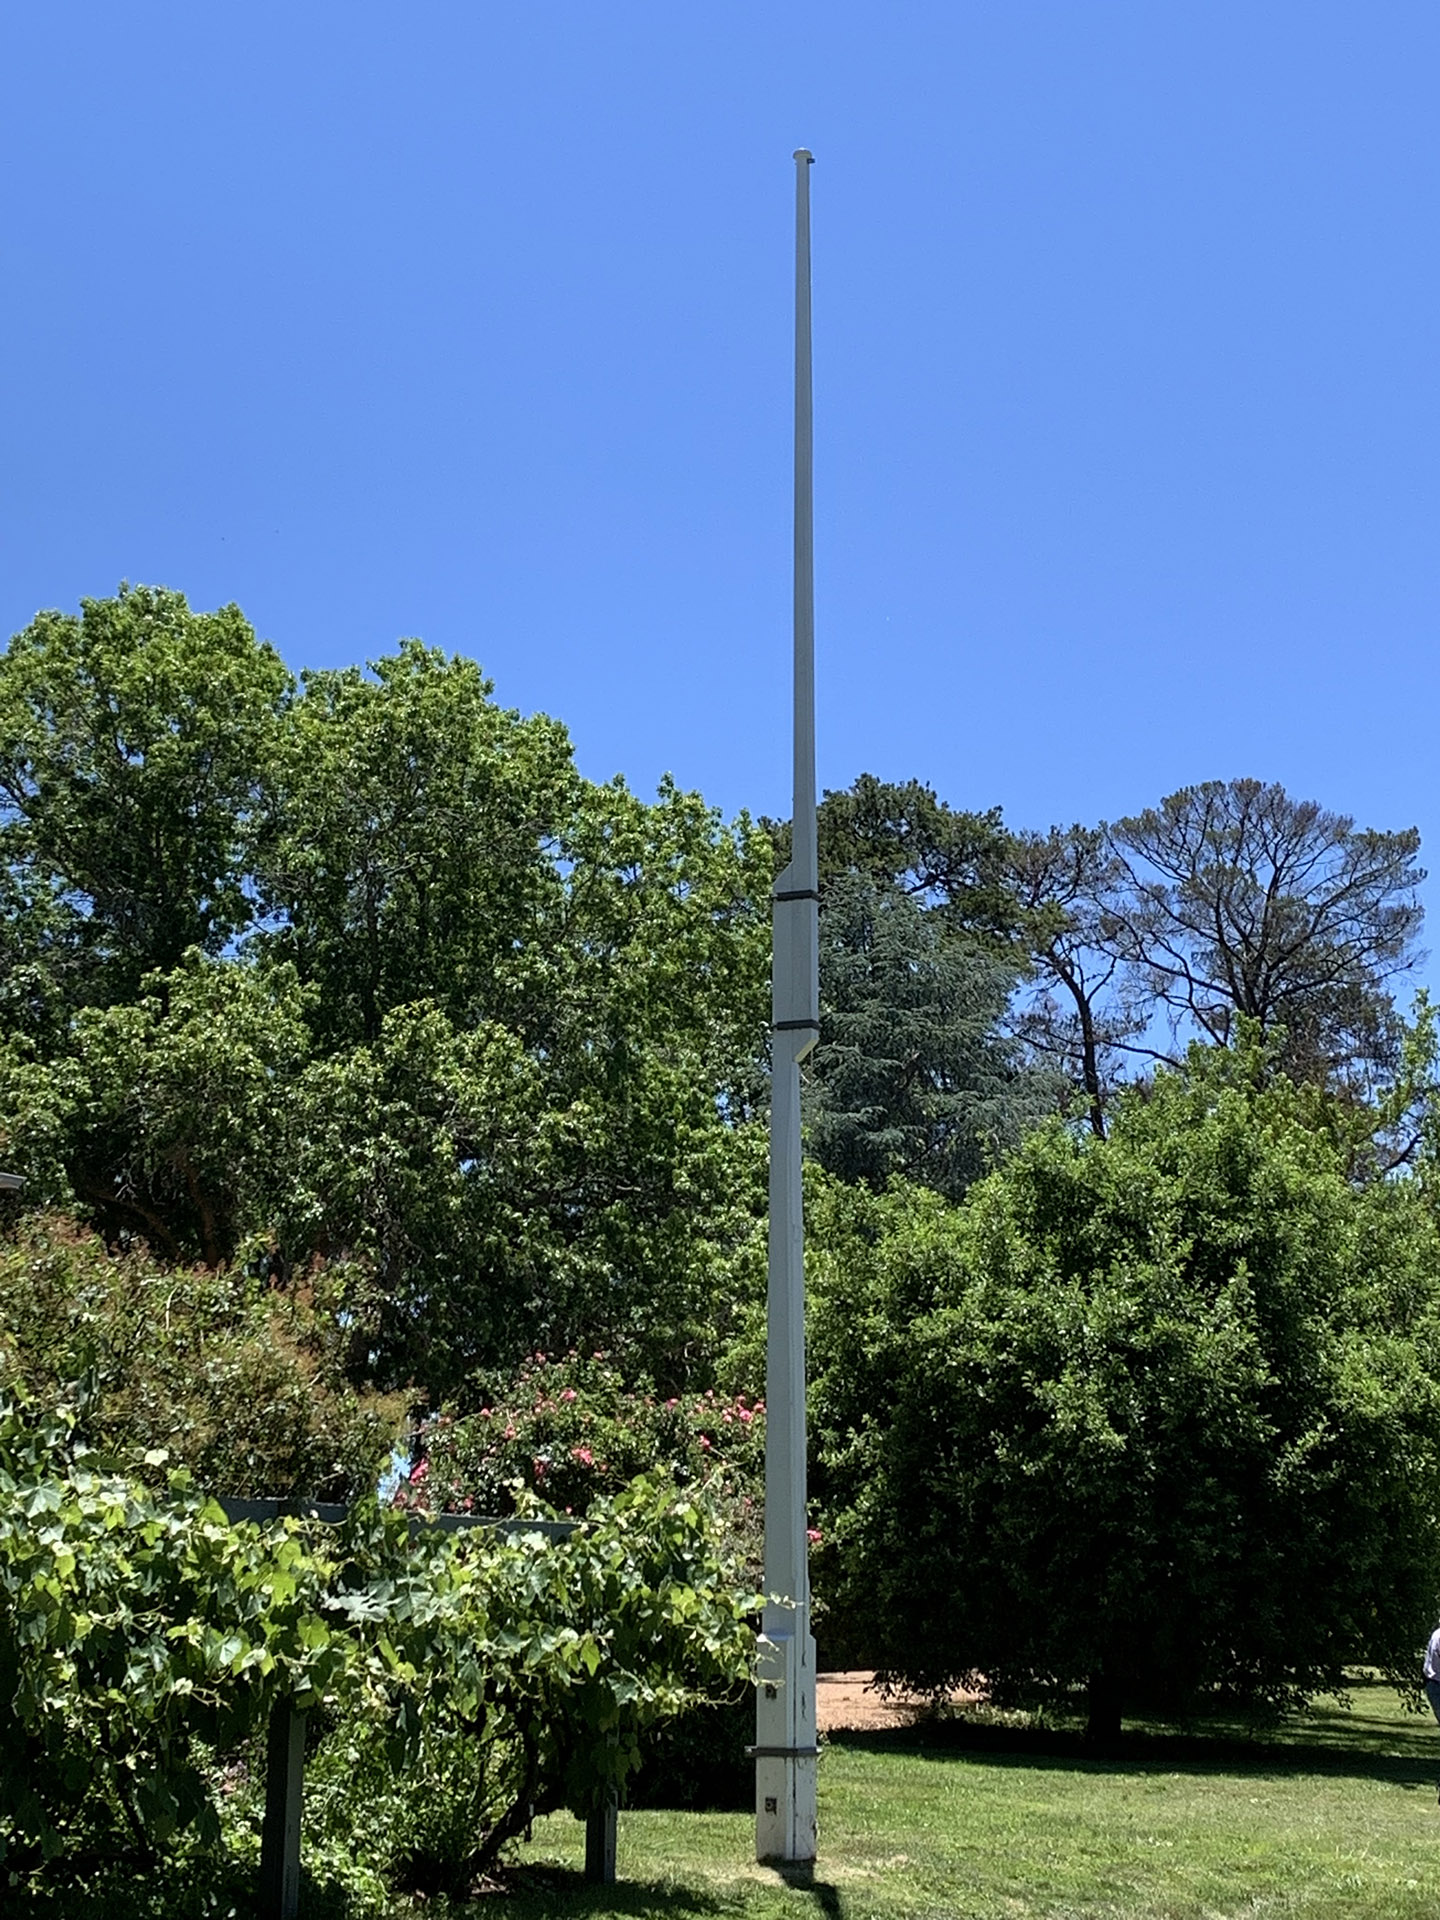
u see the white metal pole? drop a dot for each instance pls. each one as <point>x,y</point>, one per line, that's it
<point>785,1749</point>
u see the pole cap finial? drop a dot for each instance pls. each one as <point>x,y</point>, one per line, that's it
<point>803,153</point>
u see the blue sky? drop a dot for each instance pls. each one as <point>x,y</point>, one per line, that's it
<point>474,322</point>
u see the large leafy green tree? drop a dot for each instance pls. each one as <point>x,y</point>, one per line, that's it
<point>901,836</point>
<point>374,972</point>
<point>415,855</point>
<point>136,741</point>
<point>1154,1417</point>
<point>574,1175</point>
<point>170,1117</point>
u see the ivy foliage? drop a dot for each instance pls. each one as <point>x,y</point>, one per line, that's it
<point>141,1633</point>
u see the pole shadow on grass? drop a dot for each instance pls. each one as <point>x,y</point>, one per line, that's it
<point>826,1896</point>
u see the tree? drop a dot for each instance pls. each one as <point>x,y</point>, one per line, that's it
<point>578,1179</point>
<point>438,1002</point>
<point>919,953</point>
<point>1228,902</point>
<point>913,1075</point>
<point>170,1118</point>
<point>901,837</point>
<point>1152,1416</point>
<point>415,854</point>
<point>134,747</point>
<point>1079,1015</point>
<point>244,1383</point>
<point>1237,901</point>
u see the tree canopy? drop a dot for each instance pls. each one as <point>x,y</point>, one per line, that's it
<point>364,969</point>
<point>1228,902</point>
<point>386,1052</point>
<point>913,1075</point>
<point>135,744</point>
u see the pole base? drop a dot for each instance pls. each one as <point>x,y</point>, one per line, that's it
<point>785,1749</point>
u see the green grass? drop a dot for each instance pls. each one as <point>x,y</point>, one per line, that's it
<point>1333,1819</point>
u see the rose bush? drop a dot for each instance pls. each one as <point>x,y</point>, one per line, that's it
<point>570,1429</point>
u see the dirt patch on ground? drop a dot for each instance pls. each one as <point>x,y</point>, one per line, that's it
<point>849,1700</point>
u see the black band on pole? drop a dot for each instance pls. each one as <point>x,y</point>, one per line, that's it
<point>782,1753</point>
<point>798,893</point>
<point>796,1026</point>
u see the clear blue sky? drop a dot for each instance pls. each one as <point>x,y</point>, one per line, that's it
<point>474,322</point>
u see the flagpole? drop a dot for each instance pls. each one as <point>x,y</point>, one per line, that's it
<point>785,1747</point>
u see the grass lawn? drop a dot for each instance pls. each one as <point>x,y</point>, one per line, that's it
<point>1336,1817</point>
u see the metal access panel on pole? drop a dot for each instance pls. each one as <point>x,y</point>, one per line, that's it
<point>785,1748</point>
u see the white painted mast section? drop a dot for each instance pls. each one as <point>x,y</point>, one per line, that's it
<point>785,1748</point>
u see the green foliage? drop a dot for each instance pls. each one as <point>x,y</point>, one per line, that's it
<point>501,1209</point>
<point>913,1075</point>
<point>1160,1411</point>
<point>405,990</point>
<point>414,855</point>
<point>548,1661</point>
<point>900,837</point>
<point>134,746</point>
<point>131,1626</point>
<point>242,1382</point>
<point>919,955</point>
<point>140,1633</point>
<point>166,1115</point>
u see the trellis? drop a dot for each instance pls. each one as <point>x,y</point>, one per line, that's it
<point>285,1741</point>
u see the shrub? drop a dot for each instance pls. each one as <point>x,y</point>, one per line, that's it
<point>131,1627</point>
<point>1155,1415</point>
<point>569,1430</point>
<point>242,1382</point>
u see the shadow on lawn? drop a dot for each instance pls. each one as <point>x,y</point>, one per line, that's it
<point>549,1890</point>
<point>827,1897</point>
<point>1334,1740</point>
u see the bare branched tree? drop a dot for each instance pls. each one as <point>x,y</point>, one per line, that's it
<point>1234,899</point>
<point>1077,1014</point>
<point>1228,901</point>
